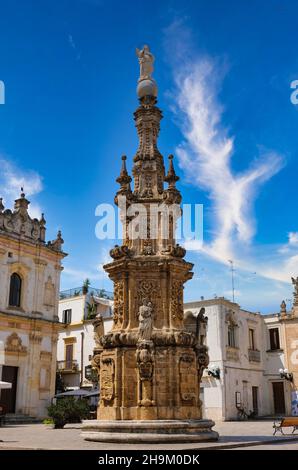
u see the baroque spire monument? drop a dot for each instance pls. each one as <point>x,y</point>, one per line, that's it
<point>150,364</point>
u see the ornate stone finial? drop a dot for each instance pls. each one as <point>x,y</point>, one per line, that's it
<point>124,179</point>
<point>146,84</point>
<point>21,204</point>
<point>42,224</point>
<point>57,244</point>
<point>1,205</point>
<point>42,220</point>
<point>283,309</point>
<point>171,177</point>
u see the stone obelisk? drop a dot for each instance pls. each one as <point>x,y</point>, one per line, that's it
<point>149,365</point>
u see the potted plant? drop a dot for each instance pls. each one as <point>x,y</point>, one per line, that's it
<point>68,410</point>
<point>86,286</point>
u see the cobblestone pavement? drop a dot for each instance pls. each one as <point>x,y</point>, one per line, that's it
<point>247,434</point>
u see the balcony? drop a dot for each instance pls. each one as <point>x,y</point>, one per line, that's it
<point>67,367</point>
<point>254,355</point>
<point>232,354</point>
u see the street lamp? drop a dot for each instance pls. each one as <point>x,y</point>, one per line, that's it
<point>285,374</point>
<point>214,371</point>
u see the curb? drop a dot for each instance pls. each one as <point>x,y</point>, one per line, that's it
<point>248,444</point>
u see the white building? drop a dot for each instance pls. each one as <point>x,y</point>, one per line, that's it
<point>247,356</point>
<point>76,336</point>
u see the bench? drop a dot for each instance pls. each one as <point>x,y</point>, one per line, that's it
<point>287,422</point>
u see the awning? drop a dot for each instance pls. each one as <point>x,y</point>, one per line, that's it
<point>5,385</point>
<point>73,393</point>
<point>94,393</point>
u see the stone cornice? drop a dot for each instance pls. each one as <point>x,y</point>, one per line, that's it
<point>218,301</point>
<point>27,318</point>
<point>14,242</point>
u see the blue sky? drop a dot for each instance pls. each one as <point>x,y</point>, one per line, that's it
<point>224,70</point>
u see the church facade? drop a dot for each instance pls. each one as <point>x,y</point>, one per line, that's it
<point>30,272</point>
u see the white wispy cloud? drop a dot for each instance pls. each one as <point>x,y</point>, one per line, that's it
<point>293,238</point>
<point>13,178</point>
<point>74,46</point>
<point>206,154</point>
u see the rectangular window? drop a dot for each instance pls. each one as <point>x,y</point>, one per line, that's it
<point>251,333</point>
<point>231,337</point>
<point>274,338</point>
<point>66,316</point>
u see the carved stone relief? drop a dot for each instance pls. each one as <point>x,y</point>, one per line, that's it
<point>14,344</point>
<point>118,302</point>
<point>177,299</point>
<point>188,378</point>
<point>107,372</point>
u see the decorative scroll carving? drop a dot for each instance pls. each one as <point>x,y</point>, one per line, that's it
<point>118,302</point>
<point>188,378</point>
<point>177,251</point>
<point>145,361</point>
<point>177,299</point>
<point>119,251</point>
<point>14,344</point>
<point>107,379</point>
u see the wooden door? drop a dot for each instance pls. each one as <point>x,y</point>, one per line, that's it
<point>8,396</point>
<point>68,356</point>
<point>255,404</point>
<point>279,398</point>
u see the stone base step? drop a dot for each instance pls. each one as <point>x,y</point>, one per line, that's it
<point>12,418</point>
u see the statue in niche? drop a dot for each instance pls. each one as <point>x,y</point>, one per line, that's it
<point>145,366</point>
<point>145,320</point>
<point>49,293</point>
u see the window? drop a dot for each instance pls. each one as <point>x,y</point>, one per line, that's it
<point>231,336</point>
<point>274,338</point>
<point>251,333</point>
<point>15,290</point>
<point>66,316</point>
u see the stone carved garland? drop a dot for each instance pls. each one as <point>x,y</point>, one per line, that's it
<point>118,302</point>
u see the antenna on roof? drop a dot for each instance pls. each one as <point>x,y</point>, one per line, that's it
<point>232,272</point>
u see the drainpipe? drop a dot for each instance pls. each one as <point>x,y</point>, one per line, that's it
<point>82,358</point>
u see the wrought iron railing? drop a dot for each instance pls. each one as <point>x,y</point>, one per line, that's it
<point>67,366</point>
<point>254,355</point>
<point>77,291</point>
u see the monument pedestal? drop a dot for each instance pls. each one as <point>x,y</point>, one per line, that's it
<point>149,431</point>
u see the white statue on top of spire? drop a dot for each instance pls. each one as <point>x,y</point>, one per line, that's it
<point>146,59</point>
